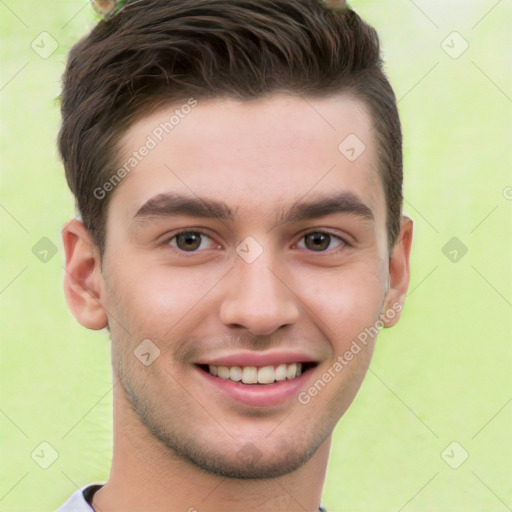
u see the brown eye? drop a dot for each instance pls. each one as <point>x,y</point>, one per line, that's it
<point>188,241</point>
<point>320,242</point>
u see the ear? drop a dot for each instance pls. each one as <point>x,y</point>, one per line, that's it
<point>398,274</point>
<point>83,279</point>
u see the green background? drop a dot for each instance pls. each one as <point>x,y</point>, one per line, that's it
<point>442,375</point>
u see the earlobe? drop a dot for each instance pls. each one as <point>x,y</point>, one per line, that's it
<point>83,278</point>
<point>398,274</point>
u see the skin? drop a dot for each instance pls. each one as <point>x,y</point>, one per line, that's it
<point>176,437</point>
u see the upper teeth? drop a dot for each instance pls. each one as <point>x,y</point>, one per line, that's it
<point>257,375</point>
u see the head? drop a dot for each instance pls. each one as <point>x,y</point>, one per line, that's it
<point>238,170</point>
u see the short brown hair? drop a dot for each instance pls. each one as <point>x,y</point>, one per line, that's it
<point>155,52</point>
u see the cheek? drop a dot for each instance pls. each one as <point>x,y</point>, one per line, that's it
<point>150,300</point>
<point>347,302</point>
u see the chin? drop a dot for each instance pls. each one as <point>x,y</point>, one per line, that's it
<point>248,462</point>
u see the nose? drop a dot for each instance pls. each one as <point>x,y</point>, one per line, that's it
<point>258,297</point>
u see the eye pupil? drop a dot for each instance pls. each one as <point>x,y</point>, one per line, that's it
<point>320,241</point>
<point>188,241</point>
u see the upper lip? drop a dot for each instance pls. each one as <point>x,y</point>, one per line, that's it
<point>249,358</point>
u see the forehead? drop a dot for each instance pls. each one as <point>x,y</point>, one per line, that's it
<point>255,155</point>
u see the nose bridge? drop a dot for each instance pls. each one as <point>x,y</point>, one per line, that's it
<point>258,282</point>
<point>257,296</point>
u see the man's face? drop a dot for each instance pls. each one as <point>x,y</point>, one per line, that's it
<point>289,266</point>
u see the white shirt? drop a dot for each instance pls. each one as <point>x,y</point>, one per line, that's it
<point>77,501</point>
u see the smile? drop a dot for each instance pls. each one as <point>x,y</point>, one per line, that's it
<point>257,379</point>
<point>257,375</point>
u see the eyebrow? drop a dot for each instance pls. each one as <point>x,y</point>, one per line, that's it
<point>165,205</point>
<point>344,202</point>
<point>173,204</point>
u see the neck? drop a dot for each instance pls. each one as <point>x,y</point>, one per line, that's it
<point>146,475</point>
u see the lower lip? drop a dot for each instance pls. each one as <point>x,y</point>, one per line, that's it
<point>258,395</point>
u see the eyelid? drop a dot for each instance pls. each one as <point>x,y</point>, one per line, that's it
<point>166,240</point>
<point>325,231</point>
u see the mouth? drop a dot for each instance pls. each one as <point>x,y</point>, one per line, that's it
<point>262,380</point>
<point>258,375</point>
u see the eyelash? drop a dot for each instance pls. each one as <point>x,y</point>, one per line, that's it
<point>343,241</point>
